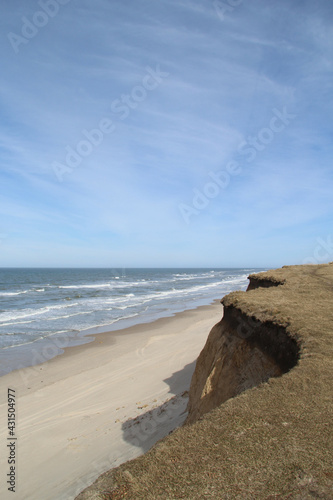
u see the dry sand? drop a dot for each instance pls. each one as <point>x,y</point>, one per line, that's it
<point>100,404</point>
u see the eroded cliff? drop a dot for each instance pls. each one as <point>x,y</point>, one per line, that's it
<point>260,411</point>
<point>241,352</point>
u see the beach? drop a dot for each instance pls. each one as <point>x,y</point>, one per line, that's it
<point>100,404</point>
<point>43,311</point>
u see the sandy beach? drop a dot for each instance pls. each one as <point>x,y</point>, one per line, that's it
<point>100,404</point>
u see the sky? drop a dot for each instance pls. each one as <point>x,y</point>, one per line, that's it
<point>166,133</point>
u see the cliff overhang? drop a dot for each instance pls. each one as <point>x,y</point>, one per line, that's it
<point>241,352</point>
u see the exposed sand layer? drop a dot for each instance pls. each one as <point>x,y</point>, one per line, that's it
<point>100,404</point>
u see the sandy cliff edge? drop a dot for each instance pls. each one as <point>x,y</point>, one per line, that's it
<point>260,409</point>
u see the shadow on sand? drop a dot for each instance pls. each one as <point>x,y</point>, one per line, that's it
<point>160,420</point>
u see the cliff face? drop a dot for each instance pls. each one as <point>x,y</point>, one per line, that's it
<point>240,353</point>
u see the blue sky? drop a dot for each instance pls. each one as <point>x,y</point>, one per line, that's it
<point>166,133</point>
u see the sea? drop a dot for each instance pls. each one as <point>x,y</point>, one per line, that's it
<point>42,311</point>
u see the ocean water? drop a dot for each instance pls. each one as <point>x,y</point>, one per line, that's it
<point>38,307</point>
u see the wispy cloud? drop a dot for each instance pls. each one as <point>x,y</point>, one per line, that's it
<point>225,78</point>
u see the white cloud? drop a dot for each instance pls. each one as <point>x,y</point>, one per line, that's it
<point>224,80</point>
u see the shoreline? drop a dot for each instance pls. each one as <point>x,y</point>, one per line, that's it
<point>44,350</point>
<point>100,404</point>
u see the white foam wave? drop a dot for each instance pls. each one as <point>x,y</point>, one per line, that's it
<point>11,294</point>
<point>78,287</point>
<point>16,323</point>
<point>26,313</point>
<point>21,292</point>
<point>81,313</point>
